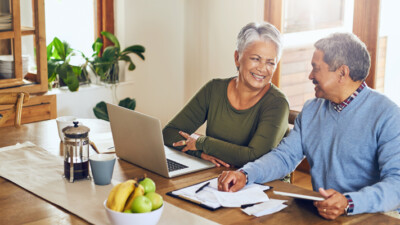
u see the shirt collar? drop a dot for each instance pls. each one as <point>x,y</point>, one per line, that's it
<point>339,107</point>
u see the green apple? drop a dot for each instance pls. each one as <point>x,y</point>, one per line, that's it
<point>156,200</point>
<point>148,184</point>
<point>141,204</point>
<point>128,211</point>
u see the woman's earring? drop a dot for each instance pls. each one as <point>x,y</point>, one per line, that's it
<point>237,68</point>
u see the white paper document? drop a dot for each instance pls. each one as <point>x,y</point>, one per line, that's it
<point>104,142</point>
<point>265,208</point>
<point>211,197</point>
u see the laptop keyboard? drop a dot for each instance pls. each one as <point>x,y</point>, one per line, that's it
<point>172,165</point>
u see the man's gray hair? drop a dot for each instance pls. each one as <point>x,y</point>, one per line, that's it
<point>259,32</point>
<point>346,49</point>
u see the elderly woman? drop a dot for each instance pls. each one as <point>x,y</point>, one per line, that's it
<point>246,115</point>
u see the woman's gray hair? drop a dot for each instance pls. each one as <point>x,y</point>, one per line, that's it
<point>346,49</point>
<point>259,32</point>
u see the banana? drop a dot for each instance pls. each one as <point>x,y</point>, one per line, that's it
<point>119,194</point>
<point>139,190</point>
<point>111,195</point>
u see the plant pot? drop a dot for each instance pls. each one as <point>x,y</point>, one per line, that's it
<point>84,78</point>
<point>111,76</point>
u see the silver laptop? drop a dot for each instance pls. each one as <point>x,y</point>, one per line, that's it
<point>138,140</point>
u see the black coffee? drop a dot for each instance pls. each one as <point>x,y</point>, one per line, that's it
<point>81,170</point>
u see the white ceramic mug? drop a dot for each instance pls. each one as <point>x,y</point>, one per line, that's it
<point>63,122</point>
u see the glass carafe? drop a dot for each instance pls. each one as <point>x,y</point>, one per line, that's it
<point>76,152</point>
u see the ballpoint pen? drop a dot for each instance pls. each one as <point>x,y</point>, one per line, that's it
<point>202,187</point>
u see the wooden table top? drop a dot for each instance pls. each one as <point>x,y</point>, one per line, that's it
<point>18,206</point>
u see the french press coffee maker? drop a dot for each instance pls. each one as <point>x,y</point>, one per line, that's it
<point>76,152</point>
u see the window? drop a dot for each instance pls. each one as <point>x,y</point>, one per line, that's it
<point>72,21</point>
<point>303,25</point>
<point>312,15</point>
<point>388,71</point>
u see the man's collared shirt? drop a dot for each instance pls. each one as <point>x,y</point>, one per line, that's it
<point>339,107</point>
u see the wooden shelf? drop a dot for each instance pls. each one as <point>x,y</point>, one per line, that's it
<point>10,34</point>
<point>27,31</point>
<point>6,34</point>
<point>17,83</point>
<point>40,106</point>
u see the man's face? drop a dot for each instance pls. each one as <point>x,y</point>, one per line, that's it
<point>326,82</point>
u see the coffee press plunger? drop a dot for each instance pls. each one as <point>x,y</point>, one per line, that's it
<point>76,152</point>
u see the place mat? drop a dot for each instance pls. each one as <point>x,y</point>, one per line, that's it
<point>26,164</point>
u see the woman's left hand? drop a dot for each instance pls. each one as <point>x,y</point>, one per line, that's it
<point>189,141</point>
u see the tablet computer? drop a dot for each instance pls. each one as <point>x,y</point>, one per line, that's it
<point>293,195</point>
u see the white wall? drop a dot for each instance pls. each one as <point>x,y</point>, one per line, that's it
<point>211,28</point>
<point>158,25</point>
<point>188,42</point>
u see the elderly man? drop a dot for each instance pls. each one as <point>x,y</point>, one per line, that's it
<point>350,135</point>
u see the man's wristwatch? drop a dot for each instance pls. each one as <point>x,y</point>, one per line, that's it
<point>245,173</point>
<point>350,206</point>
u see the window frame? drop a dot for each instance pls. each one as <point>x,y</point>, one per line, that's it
<point>365,26</point>
<point>105,19</point>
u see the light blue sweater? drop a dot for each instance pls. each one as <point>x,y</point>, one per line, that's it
<point>355,151</point>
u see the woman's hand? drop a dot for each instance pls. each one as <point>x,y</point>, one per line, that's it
<point>189,141</point>
<point>214,160</point>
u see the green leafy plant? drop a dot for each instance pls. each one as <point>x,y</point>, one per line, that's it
<point>58,63</point>
<point>106,66</point>
<point>100,111</point>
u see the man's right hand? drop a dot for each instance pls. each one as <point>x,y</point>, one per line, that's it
<point>231,181</point>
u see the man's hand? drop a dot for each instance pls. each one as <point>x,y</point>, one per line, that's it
<point>231,181</point>
<point>214,160</point>
<point>333,206</point>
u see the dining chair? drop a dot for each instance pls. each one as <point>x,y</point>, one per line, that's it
<point>292,116</point>
<point>16,99</point>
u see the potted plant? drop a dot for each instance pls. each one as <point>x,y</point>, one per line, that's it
<point>100,111</point>
<point>59,68</point>
<point>106,66</point>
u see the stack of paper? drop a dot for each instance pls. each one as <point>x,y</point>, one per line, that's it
<point>212,198</point>
<point>104,142</point>
<point>265,208</point>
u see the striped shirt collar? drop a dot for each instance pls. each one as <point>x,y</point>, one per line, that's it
<point>339,107</point>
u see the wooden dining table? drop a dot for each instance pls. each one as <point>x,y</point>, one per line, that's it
<point>19,206</point>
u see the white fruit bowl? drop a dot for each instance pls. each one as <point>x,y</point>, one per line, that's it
<point>120,218</point>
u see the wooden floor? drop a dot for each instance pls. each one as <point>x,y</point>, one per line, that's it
<point>302,179</point>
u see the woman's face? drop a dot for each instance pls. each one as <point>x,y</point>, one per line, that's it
<point>257,64</point>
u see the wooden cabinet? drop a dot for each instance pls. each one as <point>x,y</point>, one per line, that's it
<point>11,44</point>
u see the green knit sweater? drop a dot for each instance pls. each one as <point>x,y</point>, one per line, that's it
<point>234,136</point>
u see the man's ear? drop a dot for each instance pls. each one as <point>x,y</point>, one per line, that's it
<point>344,73</point>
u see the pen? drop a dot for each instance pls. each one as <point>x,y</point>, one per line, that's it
<point>246,205</point>
<point>202,187</point>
